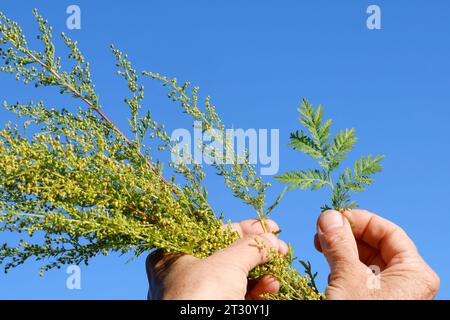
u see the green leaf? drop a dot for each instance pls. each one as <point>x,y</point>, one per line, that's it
<point>363,169</point>
<point>313,121</point>
<point>311,179</point>
<point>368,166</point>
<point>303,143</point>
<point>315,143</point>
<point>342,144</point>
<point>277,201</point>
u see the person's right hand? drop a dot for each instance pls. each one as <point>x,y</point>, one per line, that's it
<point>357,243</point>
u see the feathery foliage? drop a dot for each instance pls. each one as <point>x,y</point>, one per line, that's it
<point>79,187</point>
<point>329,153</point>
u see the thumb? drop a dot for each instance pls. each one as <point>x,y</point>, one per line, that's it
<point>337,241</point>
<point>250,251</point>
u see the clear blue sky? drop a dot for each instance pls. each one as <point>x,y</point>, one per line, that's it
<point>257,59</point>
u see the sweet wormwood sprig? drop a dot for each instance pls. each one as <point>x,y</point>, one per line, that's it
<point>79,187</point>
<point>329,155</point>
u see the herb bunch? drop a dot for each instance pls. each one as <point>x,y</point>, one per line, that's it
<point>329,153</point>
<point>78,187</point>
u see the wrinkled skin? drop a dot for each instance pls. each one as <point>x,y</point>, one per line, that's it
<point>222,276</point>
<point>369,258</point>
<point>357,239</point>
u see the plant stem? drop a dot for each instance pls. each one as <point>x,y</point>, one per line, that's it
<point>100,113</point>
<point>330,179</point>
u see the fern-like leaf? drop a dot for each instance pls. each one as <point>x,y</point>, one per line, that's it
<point>368,166</point>
<point>316,145</point>
<point>363,169</point>
<point>310,179</point>
<point>313,121</point>
<point>303,143</point>
<point>343,143</point>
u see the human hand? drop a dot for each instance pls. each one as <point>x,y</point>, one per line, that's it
<point>369,240</point>
<point>222,276</point>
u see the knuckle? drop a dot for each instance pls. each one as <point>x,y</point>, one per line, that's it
<point>427,280</point>
<point>339,247</point>
<point>432,281</point>
<point>347,273</point>
<point>331,240</point>
<point>402,233</point>
<point>317,244</point>
<point>364,211</point>
<point>154,258</point>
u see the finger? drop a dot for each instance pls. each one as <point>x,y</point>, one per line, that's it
<point>283,248</point>
<point>337,241</point>
<point>370,256</point>
<point>254,226</point>
<point>380,234</point>
<point>158,258</point>
<point>265,285</point>
<point>367,254</point>
<point>317,243</point>
<point>153,264</point>
<point>250,251</point>
<point>158,266</point>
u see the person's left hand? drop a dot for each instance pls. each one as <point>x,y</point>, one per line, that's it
<point>222,276</point>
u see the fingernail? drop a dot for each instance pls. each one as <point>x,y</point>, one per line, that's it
<point>329,220</point>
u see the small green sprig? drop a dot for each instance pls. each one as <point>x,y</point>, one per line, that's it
<point>317,143</point>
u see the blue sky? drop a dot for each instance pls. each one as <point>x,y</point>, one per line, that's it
<point>257,59</point>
